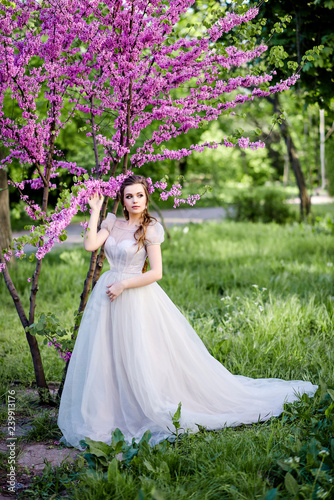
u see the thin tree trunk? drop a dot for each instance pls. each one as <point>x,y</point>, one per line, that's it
<point>33,344</point>
<point>5,227</point>
<point>305,200</point>
<point>102,255</point>
<point>286,169</point>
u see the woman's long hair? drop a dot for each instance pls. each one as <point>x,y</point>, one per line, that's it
<point>146,218</point>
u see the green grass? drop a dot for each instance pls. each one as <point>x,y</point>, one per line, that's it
<point>261,296</point>
<point>285,458</point>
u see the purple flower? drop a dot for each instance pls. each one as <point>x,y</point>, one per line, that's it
<point>84,54</point>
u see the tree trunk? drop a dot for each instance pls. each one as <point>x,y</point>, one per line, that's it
<point>305,200</point>
<point>5,227</point>
<point>101,257</point>
<point>33,344</point>
<point>322,147</point>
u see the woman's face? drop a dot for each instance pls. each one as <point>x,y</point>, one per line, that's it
<point>135,199</point>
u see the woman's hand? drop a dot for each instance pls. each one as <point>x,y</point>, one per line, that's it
<point>95,202</point>
<point>115,290</point>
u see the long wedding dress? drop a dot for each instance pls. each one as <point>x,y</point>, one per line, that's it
<point>137,357</point>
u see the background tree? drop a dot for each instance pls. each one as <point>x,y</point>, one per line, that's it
<point>311,25</point>
<point>279,33</point>
<point>121,70</point>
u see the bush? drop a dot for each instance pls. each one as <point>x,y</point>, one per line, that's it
<point>261,204</point>
<point>324,224</point>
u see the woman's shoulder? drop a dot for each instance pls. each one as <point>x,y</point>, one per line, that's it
<point>109,222</point>
<point>155,226</point>
<point>154,222</point>
<point>154,233</point>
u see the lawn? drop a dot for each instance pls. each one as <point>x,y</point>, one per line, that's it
<point>261,296</point>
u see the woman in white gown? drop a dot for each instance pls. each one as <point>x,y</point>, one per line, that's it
<point>136,356</point>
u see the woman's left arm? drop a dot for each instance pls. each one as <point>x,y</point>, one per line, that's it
<point>154,274</point>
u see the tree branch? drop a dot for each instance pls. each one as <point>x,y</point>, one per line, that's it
<point>92,121</point>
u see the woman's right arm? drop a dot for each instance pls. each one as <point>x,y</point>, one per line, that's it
<point>93,239</point>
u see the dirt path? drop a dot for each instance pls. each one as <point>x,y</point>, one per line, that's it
<point>171,218</point>
<point>174,217</point>
<point>30,457</point>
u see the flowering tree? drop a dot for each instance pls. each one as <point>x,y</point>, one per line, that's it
<point>120,67</point>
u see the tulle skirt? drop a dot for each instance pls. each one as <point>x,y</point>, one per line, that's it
<point>135,359</point>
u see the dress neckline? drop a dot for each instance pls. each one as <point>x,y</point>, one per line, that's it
<point>126,228</point>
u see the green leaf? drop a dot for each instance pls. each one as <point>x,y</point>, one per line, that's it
<point>270,495</point>
<point>291,484</point>
<point>113,470</point>
<point>145,438</point>
<point>63,237</point>
<point>129,454</point>
<point>90,459</point>
<point>141,495</point>
<point>149,466</point>
<point>283,465</point>
<point>39,327</point>
<point>218,346</point>
<point>117,437</point>
<point>331,393</point>
<point>329,410</point>
<point>98,448</point>
<point>176,417</point>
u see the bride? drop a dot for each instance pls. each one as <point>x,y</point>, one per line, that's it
<point>136,356</point>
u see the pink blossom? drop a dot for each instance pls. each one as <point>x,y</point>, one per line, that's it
<point>112,71</point>
<point>66,355</point>
<point>19,253</point>
<point>8,255</point>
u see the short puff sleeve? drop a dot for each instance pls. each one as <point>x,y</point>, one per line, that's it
<point>109,222</point>
<point>154,234</point>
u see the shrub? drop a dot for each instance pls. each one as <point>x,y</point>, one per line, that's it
<point>261,204</point>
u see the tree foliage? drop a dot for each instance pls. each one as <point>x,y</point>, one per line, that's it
<point>133,81</point>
